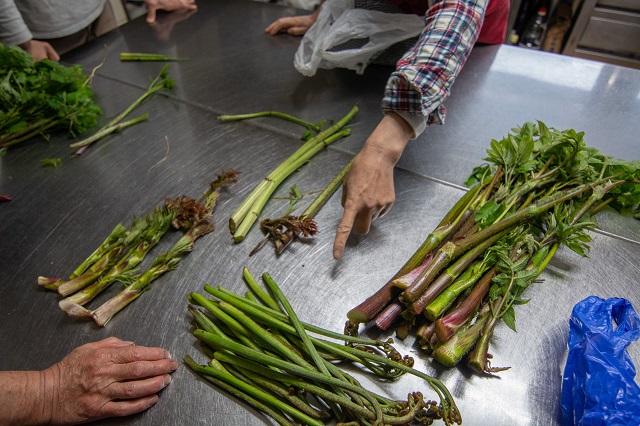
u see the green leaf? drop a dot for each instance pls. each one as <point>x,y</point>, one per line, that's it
<point>50,162</point>
<point>509,318</point>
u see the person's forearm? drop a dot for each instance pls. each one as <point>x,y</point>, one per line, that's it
<point>13,30</point>
<point>424,75</point>
<point>23,396</point>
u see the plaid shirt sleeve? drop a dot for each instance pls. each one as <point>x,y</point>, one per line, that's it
<point>423,77</point>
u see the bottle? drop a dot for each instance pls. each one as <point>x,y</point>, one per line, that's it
<point>534,33</point>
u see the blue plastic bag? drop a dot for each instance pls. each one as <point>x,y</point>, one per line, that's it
<point>598,386</point>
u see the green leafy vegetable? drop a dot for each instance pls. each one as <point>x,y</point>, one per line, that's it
<point>39,98</point>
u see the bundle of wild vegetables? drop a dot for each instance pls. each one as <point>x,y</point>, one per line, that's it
<point>262,353</point>
<point>248,212</point>
<point>38,98</point>
<point>540,188</point>
<point>116,259</point>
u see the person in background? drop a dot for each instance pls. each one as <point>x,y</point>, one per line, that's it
<point>47,29</point>
<point>109,378</point>
<point>413,96</point>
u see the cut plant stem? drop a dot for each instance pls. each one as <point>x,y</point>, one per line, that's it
<point>161,82</point>
<point>275,179</point>
<point>146,57</point>
<point>315,206</point>
<point>311,126</point>
<point>445,279</point>
<point>255,197</point>
<point>375,303</point>
<point>163,263</point>
<point>450,353</point>
<point>105,131</point>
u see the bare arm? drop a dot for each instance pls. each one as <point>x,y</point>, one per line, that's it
<point>103,379</point>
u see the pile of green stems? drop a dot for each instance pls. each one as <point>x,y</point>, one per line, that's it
<point>119,255</point>
<point>540,190</point>
<point>261,352</point>
<point>248,212</point>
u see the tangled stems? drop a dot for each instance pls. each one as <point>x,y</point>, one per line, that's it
<point>265,344</point>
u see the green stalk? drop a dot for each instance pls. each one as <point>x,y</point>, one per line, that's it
<point>316,205</point>
<point>295,322</point>
<point>288,117</point>
<point>115,238</point>
<point>146,57</point>
<point>368,309</point>
<point>318,391</point>
<point>292,397</point>
<point>254,309</point>
<point>240,350</point>
<point>244,208</point>
<point>91,275</point>
<point>451,352</point>
<point>259,292</point>
<point>257,395</point>
<point>434,288</point>
<point>357,355</point>
<point>465,281</point>
<point>275,179</point>
<point>161,82</point>
<point>163,263</point>
<point>105,131</point>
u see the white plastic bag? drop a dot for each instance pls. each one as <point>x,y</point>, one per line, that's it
<point>338,22</point>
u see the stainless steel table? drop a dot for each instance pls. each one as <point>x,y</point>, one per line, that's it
<point>58,216</point>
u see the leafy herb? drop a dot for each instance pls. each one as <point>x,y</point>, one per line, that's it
<point>39,98</point>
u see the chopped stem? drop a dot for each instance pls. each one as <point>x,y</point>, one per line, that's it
<point>288,117</point>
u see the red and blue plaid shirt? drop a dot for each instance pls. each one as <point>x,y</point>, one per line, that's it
<point>424,76</point>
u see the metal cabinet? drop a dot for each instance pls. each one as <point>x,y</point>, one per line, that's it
<point>607,31</point>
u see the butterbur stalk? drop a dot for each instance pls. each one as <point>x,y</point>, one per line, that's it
<point>271,183</point>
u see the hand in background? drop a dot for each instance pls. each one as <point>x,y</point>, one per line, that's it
<point>294,25</point>
<point>168,5</point>
<point>367,190</point>
<point>40,50</point>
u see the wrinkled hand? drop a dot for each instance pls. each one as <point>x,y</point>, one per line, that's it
<point>40,50</point>
<point>294,25</point>
<point>167,5</point>
<point>106,379</point>
<point>368,191</point>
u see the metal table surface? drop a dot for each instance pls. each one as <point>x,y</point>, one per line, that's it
<point>59,215</point>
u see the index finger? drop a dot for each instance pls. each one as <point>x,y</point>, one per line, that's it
<point>344,229</point>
